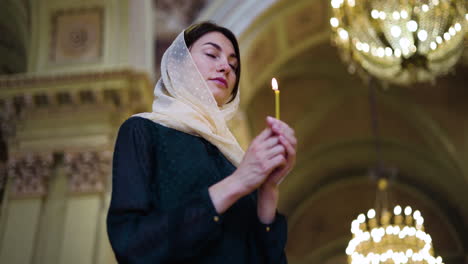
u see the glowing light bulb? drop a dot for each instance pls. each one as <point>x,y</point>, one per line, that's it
<point>336,3</point>
<point>348,251</point>
<point>371,213</point>
<point>447,36</point>
<point>343,34</point>
<point>375,14</point>
<point>452,31</point>
<point>397,209</point>
<point>404,14</point>
<point>380,52</point>
<point>417,213</point>
<point>412,25</point>
<point>388,51</point>
<point>359,46</point>
<point>404,43</point>
<point>365,48</point>
<point>422,35</point>
<point>361,218</point>
<point>425,8</point>
<point>334,22</point>
<point>408,210</point>
<point>382,15</point>
<point>420,221</point>
<point>395,31</point>
<point>389,230</point>
<point>397,53</point>
<point>428,239</point>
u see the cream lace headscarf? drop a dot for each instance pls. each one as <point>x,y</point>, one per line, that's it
<point>184,102</point>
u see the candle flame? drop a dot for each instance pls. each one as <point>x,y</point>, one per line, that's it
<point>274,84</point>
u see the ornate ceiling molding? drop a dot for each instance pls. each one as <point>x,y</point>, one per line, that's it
<point>27,80</point>
<point>25,95</point>
<point>21,93</point>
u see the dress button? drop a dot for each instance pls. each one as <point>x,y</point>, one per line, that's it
<point>216,218</point>
<point>267,229</point>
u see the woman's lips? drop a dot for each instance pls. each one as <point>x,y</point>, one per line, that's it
<point>220,81</point>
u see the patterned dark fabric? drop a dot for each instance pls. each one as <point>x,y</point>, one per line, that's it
<point>161,211</point>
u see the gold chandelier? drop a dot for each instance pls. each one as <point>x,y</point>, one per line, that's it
<point>383,237</point>
<point>400,41</point>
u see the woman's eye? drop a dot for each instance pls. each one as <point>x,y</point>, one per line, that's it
<point>210,55</point>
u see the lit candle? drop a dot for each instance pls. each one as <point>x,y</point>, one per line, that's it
<point>274,85</point>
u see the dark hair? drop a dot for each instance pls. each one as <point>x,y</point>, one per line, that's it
<point>196,31</point>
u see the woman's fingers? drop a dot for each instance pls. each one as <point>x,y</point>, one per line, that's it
<point>286,131</point>
<point>258,144</point>
<point>290,150</point>
<point>276,161</point>
<point>267,154</point>
<point>276,150</point>
<point>271,142</point>
<point>279,127</point>
<point>279,174</point>
<point>264,135</point>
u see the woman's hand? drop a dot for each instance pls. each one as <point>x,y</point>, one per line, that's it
<point>288,139</point>
<point>268,193</point>
<point>264,155</point>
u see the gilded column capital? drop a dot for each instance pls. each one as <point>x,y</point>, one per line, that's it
<point>30,174</point>
<point>88,171</point>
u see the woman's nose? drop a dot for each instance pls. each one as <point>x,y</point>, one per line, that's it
<point>223,66</point>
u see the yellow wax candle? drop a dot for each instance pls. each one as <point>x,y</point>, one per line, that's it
<point>274,85</point>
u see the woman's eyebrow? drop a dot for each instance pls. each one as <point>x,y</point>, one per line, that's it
<point>216,46</point>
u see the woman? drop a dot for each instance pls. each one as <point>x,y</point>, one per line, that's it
<point>183,189</point>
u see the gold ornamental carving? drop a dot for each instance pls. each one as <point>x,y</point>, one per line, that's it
<point>77,35</point>
<point>30,174</point>
<point>88,171</point>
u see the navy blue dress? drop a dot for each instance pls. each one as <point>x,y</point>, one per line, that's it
<point>161,211</point>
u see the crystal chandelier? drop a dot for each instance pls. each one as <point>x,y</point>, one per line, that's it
<point>383,237</point>
<point>400,41</point>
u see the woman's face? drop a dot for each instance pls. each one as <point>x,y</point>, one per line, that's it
<point>216,60</point>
